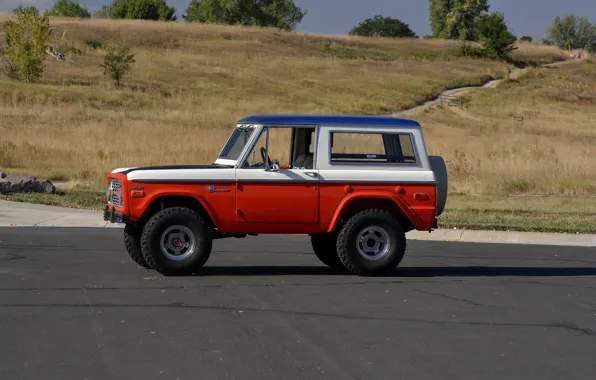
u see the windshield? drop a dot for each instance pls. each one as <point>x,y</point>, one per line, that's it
<point>237,142</point>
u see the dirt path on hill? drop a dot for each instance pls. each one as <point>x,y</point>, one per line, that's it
<point>513,74</point>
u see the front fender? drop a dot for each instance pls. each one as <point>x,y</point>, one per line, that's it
<point>138,207</point>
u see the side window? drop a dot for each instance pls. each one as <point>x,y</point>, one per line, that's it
<point>280,140</point>
<point>304,148</point>
<point>361,147</point>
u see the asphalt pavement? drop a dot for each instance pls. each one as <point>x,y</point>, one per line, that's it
<point>74,306</point>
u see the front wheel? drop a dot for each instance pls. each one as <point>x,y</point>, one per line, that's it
<point>372,242</point>
<point>176,241</point>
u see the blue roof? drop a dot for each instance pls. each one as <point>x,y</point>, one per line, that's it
<point>373,121</point>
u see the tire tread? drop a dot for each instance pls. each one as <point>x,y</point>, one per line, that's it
<point>347,228</point>
<point>322,246</point>
<point>157,218</point>
<point>133,246</point>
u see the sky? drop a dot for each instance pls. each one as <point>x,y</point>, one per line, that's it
<point>339,16</point>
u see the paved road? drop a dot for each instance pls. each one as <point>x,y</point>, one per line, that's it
<point>73,306</point>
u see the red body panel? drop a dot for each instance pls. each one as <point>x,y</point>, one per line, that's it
<point>287,203</point>
<point>296,208</point>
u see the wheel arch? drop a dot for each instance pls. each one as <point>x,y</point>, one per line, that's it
<point>163,201</point>
<point>387,201</point>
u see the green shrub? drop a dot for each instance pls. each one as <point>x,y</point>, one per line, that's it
<point>27,36</point>
<point>118,62</point>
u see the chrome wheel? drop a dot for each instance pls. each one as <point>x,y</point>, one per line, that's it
<point>372,243</point>
<point>177,243</point>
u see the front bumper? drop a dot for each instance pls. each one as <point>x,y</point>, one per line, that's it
<point>111,215</point>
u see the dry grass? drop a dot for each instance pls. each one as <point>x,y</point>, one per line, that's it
<point>489,150</point>
<point>542,214</point>
<point>190,83</point>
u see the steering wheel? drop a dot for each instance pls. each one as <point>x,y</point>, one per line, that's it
<point>263,153</point>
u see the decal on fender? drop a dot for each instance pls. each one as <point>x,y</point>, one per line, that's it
<point>213,189</point>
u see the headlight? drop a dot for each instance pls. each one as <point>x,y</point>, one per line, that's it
<point>109,191</point>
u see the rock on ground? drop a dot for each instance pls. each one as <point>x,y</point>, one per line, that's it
<point>25,184</point>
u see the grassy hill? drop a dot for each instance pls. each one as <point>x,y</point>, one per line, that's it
<point>191,83</point>
<point>531,135</point>
<point>521,156</point>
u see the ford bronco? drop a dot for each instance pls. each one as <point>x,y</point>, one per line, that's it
<point>355,184</point>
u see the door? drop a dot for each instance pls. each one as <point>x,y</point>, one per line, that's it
<point>288,194</point>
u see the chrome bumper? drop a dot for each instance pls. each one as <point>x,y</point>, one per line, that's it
<point>111,215</point>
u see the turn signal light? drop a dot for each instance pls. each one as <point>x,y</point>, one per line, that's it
<point>137,193</point>
<point>420,196</point>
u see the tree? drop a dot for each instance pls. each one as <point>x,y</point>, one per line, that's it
<point>592,44</point>
<point>27,37</point>
<point>282,14</point>
<point>102,13</point>
<point>193,12</point>
<point>562,32</point>
<point>456,19</point>
<point>379,26</point>
<point>572,32</point>
<point>583,32</point>
<point>526,39</point>
<point>69,8</point>
<point>117,62</point>
<point>496,39</point>
<point>142,10</point>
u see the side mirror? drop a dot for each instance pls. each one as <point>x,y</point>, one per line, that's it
<point>274,166</point>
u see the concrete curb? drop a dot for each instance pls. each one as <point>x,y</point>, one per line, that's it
<point>17,214</point>
<point>506,237</point>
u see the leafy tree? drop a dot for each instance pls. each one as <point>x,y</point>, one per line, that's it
<point>142,10</point>
<point>102,13</point>
<point>584,32</point>
<point>69,8</point>
<point>193,12</point>
<point>27,37</point>
<point>456,19</point>
<point>117,62</point>
<point>562,32</point>
<point>592,44</point>
<point>572,32</point>
<point>496,39</point>
<point>282,14</point>
<point>526,39</point>
<point>379,26</point>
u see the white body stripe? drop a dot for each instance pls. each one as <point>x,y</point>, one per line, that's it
<point>323,170</point>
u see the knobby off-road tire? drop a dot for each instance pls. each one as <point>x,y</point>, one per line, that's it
<point>132,243</point>
<point>176,241</point>
<point>371,226</point>
<point>325,249</point>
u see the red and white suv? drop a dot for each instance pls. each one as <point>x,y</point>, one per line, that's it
<point>355,184</point>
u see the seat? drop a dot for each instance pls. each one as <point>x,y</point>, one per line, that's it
<point>304,161</point>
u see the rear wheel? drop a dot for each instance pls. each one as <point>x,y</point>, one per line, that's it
<point>132,243</point>
<point>176,241</point>
<point>325,248</point>
<point>372,242</point>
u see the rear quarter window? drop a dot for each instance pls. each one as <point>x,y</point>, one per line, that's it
<point>372,147</point>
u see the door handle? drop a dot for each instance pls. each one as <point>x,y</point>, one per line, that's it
<point>313,174</point>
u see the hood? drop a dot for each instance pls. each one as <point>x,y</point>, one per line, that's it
<point>126,171</point>
<point>180,173</point>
